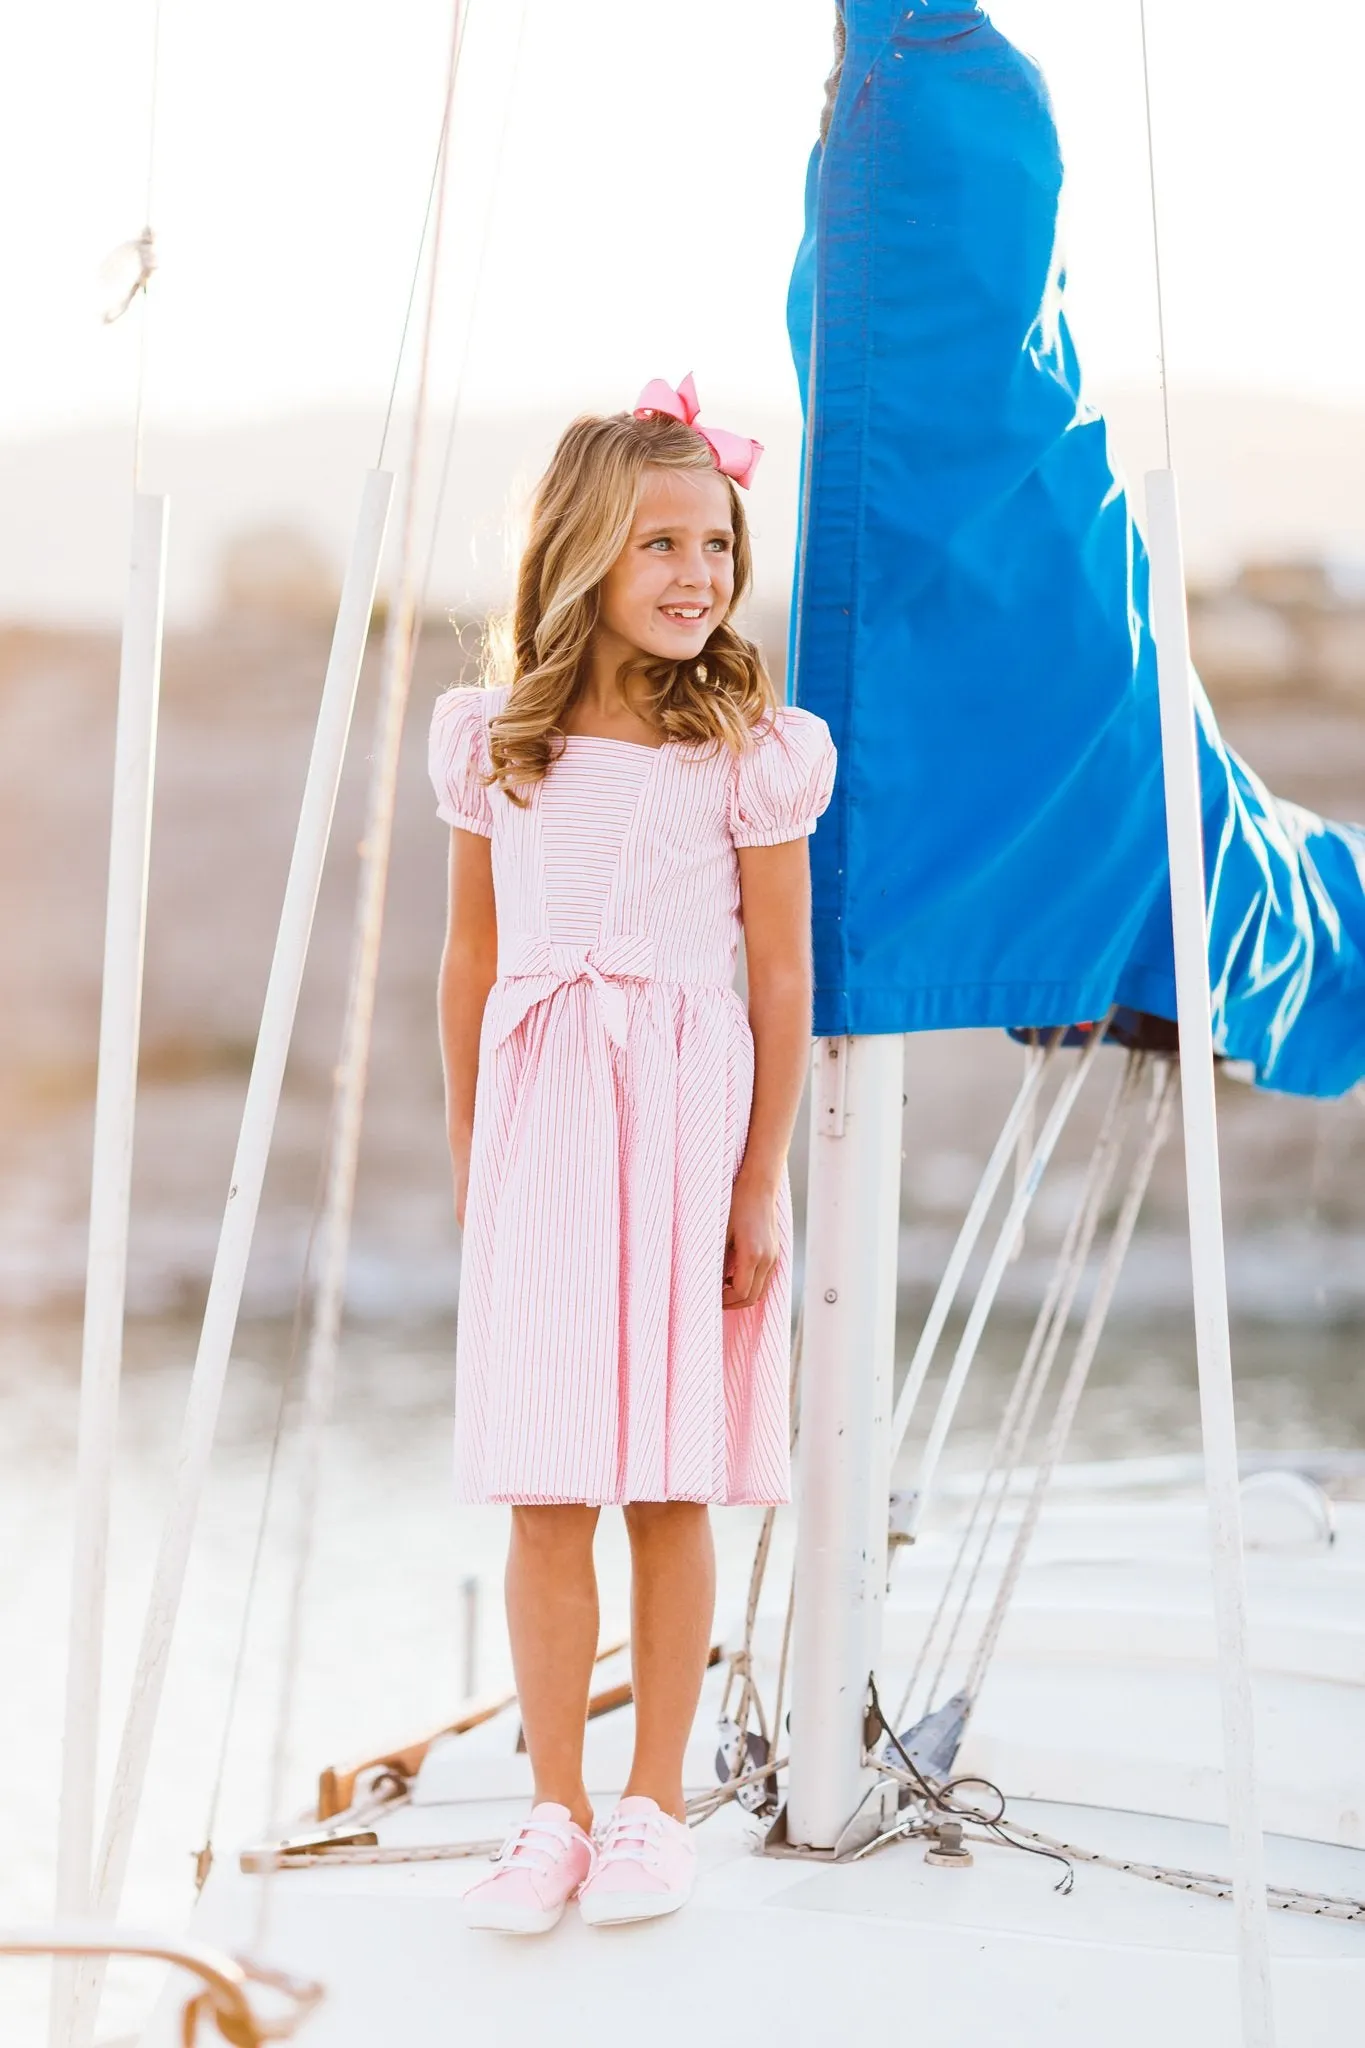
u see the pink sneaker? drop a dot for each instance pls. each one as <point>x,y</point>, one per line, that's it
<point>645,1866</point>
<point>538,1870</point>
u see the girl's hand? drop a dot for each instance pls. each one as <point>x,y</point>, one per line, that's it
<point>751,1243</point>
<point>459,1159</point>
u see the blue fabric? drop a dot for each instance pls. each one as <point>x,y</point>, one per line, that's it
<point>971,612</point>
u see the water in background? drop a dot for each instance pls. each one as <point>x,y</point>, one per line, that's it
<point>383,1651</point>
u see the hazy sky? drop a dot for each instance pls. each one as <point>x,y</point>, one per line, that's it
<point>647,204</point>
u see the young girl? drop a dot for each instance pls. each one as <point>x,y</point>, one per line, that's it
<point>618,1124</point>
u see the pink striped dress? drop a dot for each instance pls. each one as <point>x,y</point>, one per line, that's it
<point>594,1361</point>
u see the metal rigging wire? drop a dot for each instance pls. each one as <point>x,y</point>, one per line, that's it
<point>437,164</point>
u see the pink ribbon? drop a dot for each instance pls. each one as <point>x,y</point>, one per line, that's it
<point>540,965</point>
<point>735,454</point>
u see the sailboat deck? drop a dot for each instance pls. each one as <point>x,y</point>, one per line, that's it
<point>778,1949</point>
<point>1102,1699</point>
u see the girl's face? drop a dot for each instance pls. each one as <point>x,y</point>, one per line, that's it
<point>673,581</point>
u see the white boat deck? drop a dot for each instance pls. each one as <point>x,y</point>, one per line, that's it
<point>1102,1701</point>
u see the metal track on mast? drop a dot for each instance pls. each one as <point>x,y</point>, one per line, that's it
<point>849,1325</point>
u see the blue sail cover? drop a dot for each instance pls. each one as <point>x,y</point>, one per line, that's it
<point>972,620</point>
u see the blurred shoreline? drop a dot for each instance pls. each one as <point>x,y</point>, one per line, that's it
<point>1265,476</point>
<point>238,707</point>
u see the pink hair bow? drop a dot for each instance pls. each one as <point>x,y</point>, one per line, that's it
<point>735,454</point>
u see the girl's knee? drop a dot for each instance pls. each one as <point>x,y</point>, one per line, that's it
<point>658,1520</point>
<point>554,1528</point>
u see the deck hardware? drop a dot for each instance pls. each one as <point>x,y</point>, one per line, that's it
<point>317,1842</point>
<point>947,1850</point>
<point>337,1785</point>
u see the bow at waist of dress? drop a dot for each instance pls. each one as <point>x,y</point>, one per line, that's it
<point>540,965</point>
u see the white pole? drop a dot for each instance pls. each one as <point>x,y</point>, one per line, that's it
<point>1185,839</point>
<point>469,1638</point>
<point>852,1231</point>
<point>125,928</point>
<point>248,1174</point>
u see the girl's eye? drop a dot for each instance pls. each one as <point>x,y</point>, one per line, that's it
<point>721,546</point>
<point>663,541</point>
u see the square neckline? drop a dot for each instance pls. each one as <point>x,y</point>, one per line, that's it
<point>606,739</point>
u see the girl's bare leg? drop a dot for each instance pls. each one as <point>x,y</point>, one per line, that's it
<point>673,1597</point>
<point>552,1619</point>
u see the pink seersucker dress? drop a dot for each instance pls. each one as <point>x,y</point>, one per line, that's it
<point>594,1361</point>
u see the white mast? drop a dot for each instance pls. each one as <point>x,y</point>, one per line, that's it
<point>843,1481</point>
<point>1185,840</point>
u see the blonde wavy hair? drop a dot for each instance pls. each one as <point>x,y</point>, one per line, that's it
<point>580,521</point>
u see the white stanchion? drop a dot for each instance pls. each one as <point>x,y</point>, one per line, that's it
<point>125,927</point>
<point>852,1228</point>
<point>248,1174</point>
<point>1185,838</point>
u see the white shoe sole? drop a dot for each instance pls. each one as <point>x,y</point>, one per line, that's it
<point>616,1909</point>
<point>492,1918</point>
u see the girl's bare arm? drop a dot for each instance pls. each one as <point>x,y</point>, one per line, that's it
<point>469,967</point>
<point>774,886</point>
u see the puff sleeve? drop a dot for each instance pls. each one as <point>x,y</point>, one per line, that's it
<point>457,755</point>
<point>783,781</point>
